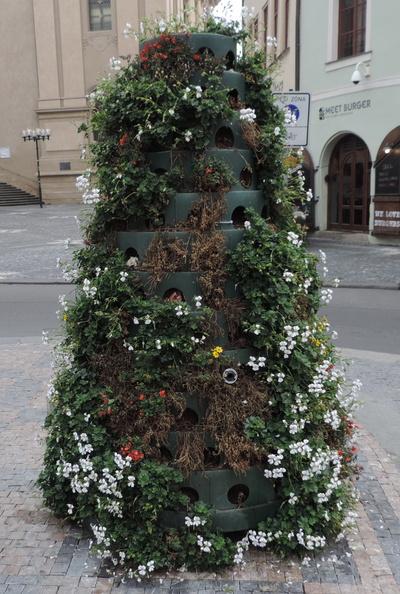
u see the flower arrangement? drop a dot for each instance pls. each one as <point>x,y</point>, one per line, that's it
<point>130,360</point>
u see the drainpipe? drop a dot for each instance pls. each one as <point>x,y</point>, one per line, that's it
<point>297,53</point>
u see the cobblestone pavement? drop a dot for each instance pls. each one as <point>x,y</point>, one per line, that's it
<point>40,554</point>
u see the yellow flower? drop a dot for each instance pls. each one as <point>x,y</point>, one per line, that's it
<point>65,317</point>
<point>217,351</point>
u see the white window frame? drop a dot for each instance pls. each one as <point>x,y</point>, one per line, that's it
<point>332,60</point>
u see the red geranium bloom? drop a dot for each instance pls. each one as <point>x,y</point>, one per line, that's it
<point>142,397</point>
<point>162,393</point>
<point>135,455</point>
<point>197,57</point>
<point>123,139</point>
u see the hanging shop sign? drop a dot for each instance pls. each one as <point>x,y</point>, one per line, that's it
<point>387,175</point>
<point>298,105</point>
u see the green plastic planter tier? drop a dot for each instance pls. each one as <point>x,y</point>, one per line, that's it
<point>240,501</point>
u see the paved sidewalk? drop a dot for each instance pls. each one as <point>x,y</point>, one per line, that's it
<point>40,554</point>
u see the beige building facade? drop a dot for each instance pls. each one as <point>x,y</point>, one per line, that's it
<point>53,52</point>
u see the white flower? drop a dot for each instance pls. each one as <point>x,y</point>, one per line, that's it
<point>188,135</point>
<point>171,111</point>
<point>277,131</point>
<point>123,276</point>
<point>115,64</point>
<point>247,225</point>
<point>158,344</point>
<point>247,115</point>
<point>127,30</point>
<point>309,195</point>
<point>199,91</point>
<point>147,319</point>
<point>185,95</point>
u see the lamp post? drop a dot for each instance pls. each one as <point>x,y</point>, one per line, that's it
<point>36,135</point>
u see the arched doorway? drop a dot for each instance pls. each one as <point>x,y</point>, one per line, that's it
<point>349,185</point>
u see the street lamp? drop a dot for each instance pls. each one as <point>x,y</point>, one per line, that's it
<point>36,135</point>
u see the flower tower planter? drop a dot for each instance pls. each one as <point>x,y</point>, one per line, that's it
<point>197,393</point>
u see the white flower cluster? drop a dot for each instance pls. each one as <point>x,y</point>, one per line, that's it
<point>91,196</point>
<point>301,447</point>
<point>288,276</point>
<point>127,30</point>
<point>275,460</point>
<point>255,364</point>
<point>310,542</point>
<point>88,289</point>
<point>181,310</point>
<point>195,521</point>
<point>326,295</point>
<point>198,340</point>
<point>294,239</point>
<point>279,376</point>
<point>287,346</point>
<point>272,42</point>
<point>145,570</point>
<point>123,276</point>
<point>63,307</point>
<point>115,64</point>
<point>198,300</point>
<point>82,182</point>
<point>247,115</point>
<point>331,417</point>
<point>205,545</point>
<point>319,462</point>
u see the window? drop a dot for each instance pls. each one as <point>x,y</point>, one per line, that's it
<point>255,29</point>
<point>352,24</point>
<point>276,10</point>
<point>100,15</point>
<point>265,11</point>
<point>287,8</point>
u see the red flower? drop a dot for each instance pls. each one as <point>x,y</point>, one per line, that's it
<point>173,40</point>
<point>340,452</point>
<point>135,455</point>
<point>354,449</point>
<point>123,139</point>
<point>144,58</point>
<point>208,170</point>
<point>142,397</point>
<point>162,393</point>
<point>197,57</point>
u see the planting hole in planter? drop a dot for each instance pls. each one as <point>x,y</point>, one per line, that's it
<point>230,60</point>
<point>165,454</point>
<point>238,494</point>
<point>174,295</point>
<point>239,217</point>
<point>191,493</point>
<point>132,257</point>
<point>189,418</point>
<point>211,458</point>
<point>233,97</point>
<point>205,50</point>
<point>246,177</point>
<point>224,138</point>
<point>159,221</point>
